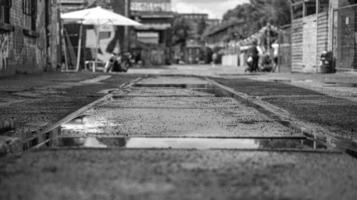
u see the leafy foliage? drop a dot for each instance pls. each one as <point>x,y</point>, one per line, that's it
<point>257,14</point>
<point>180,31</point>
<point>201,27</point>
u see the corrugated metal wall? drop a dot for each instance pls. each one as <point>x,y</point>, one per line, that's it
<point>309,38</point>
<point>345,48</point>
<point>322,34</point>
<point>297,45</point>
<point>309,43</point>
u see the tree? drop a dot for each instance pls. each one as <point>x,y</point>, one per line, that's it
<point>180,31</point>
<point>258,13</point>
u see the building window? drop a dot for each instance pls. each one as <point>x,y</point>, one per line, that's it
<point>323,5</point>
<point>310,7</point>
<point>29,7</point>
<point>298,11</point>
<point>5,6</point>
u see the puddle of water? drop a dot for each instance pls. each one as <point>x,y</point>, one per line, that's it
<point>173,85</point>
<point>188,143</point>
<point>339,84</point>
<point>207,88</point>
<point>211,89</point>
<point>282,80</point>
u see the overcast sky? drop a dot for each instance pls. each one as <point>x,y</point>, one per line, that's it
<point>215,8</point>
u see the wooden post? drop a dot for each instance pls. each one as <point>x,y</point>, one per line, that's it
<point>64,47</point>
<point>79,47</point>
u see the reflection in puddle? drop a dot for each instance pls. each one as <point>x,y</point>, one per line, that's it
<point>207,88</point>
<point>339,84</point>
<point>172,85</point>
<point>86,124</point>
<point>282,80</point>
<point>211,89</point>
<point>91,142</point>
<point>187,143</point>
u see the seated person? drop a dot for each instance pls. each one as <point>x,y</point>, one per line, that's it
<point>112,64</point>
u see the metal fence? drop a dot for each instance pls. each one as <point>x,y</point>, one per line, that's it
<point>345,37</point>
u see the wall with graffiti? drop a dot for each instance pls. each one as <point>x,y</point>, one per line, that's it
<point>4,50</point>
<point>105,38</point>
<point>31,42</point>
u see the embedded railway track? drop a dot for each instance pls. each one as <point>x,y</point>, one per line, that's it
<point>180,138</point>
<point>297,136</point>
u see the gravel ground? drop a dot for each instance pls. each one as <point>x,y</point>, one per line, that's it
<point>173,80</point>
<point>175,116</point>
<point>177,174</point>
<point>177,102</point>
<point>159,92</point>
<point>175,122</point>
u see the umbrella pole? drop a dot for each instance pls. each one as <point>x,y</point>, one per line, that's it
<point>96,49</point>
<point>79,47</point>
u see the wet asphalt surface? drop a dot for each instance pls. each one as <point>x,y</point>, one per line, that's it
<point>142,144</point>
<point>37,100</point>
<point>336,114</point>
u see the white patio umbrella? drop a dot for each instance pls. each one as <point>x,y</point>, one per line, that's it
<point>96,16</point>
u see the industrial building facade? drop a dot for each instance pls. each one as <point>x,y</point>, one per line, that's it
<point>29,36</point>
<point>345,36</point>
<point>323,25</point>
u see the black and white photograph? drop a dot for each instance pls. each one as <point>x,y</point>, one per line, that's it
<point>178,99</point>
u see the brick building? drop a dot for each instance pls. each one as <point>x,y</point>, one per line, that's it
<point>193,51</point>
<point>29,39</point>
<point>213,22</point>
<point>152,40</point>
<point>195,21</point>
<point>71,5</point>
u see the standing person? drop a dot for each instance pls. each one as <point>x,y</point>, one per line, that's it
<point>255,56</point>
<point>276,57</point>
<point>214,58</point>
